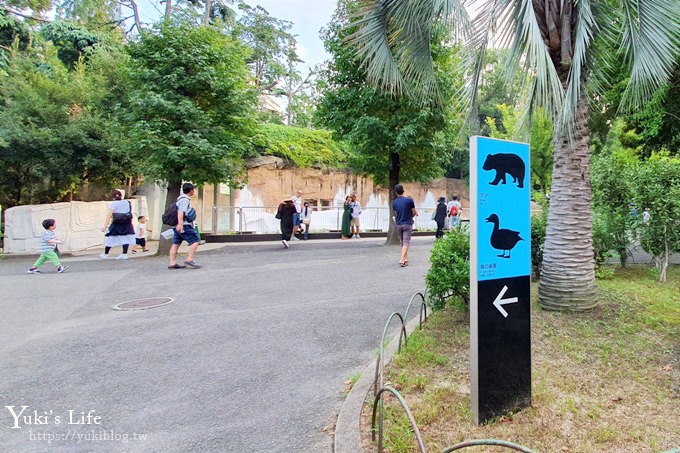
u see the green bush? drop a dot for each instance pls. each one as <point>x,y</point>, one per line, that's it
<point>539,223</point>
<point>448,280</point>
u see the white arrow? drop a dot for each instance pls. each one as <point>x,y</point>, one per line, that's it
<point>499,302</point>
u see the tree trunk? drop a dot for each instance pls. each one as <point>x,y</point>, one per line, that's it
<point>568,269</point>
<point>393,180</point>
<point>174,188</point>
<point>168,9</point>
<point>206,17</point>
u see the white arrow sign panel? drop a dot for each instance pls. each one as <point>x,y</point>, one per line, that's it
<point>499,302</point>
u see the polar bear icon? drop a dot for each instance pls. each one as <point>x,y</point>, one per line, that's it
<point>506,163</point>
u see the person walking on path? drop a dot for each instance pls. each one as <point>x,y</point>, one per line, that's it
<point>286,213</point>
<point>297,201</point>
<point>48,248</point>
<point>118,226</point>
<point>306,216</point>
<point>440,217</point>
<point>184,231</point>
<point>404,212</point>
<point>454,209</point>
<point>345,227</point>
<point>140,238</point>
<point>355,211</point>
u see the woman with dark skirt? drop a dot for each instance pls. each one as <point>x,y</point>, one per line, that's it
<point>118,226</point>
<point>345,226</point>
<point>285,212</point>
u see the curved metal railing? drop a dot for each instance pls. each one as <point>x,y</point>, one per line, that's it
<point>378,401</point>
<point>379,389</point>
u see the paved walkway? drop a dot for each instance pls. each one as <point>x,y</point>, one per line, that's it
<point>251,356</point>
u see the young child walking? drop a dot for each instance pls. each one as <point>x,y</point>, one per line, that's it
<point>140,238</point>
<point>48,245</point>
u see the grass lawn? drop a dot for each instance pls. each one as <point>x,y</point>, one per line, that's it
<point>607,380</point>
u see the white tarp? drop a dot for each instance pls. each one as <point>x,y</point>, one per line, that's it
<point>79,224</point>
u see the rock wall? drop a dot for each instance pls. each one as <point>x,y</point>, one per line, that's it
<point>269,183</point>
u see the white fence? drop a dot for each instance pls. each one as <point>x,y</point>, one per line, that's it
<point>257,219</point>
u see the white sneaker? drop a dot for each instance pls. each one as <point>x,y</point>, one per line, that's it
<point>122,256</point>
<point>62,269</point>
<point>103,256</point>
<point>285,243</point>
<point>294,238</point>
<point>358,237</point>
<point>34,271</point>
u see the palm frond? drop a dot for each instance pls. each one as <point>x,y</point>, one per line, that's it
<point>373,44</point>
<point>394,42</point>
<point>528,48</point>
<point>650,43</point>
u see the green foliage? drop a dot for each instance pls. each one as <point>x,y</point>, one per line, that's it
<point>539,223</point>
<point>54,134</point>
<point>448,280</point>
<point>303,147</point>
<point>191,107</point>
<point>269,41</point>
<point>657,183</point>
<point>71,41</point>
<point>612,189</point>
<point>393,138</point>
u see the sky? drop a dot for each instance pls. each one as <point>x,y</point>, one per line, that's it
<point>307,16</point>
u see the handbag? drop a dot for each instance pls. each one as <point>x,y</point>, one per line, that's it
<point>123,218</point>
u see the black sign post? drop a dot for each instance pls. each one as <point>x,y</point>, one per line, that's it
<point>500,272</point>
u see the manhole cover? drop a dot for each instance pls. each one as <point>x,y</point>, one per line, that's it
<point>143,304</point>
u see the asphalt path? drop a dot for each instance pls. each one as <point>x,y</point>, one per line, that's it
<point>251,356</point>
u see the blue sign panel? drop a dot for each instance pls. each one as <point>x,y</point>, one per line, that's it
<point>504,226</point>
<point>500,285</point>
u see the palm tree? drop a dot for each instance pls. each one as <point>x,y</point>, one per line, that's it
<point>560,45</point>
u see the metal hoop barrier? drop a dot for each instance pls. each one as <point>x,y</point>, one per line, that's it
<point>380,367</point>
<point>423,308</point>
<point>416,431</point>
<point>499,443</point>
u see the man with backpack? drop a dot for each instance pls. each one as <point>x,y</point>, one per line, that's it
<point>454,208</point>
<point>184,228</point>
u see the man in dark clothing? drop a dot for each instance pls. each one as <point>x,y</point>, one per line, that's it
<point>440,217</point>
<point>404,212</point>
<point>286,212</point>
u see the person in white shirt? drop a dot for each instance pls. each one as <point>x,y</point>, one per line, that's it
<point>355,212</point>
<point>454,209</point>
<point>297,201</point>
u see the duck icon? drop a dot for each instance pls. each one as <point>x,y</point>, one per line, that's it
<point>501,238</point>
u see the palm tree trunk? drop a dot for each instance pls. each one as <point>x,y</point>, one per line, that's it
<point>568,270</point>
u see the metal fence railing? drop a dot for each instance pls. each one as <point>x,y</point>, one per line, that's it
<point>260,219</point>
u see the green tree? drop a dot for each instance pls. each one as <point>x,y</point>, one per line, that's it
<point>54,133</point>
<point>560,45</point>
<point>191,107</point>
<point>657,183</point>
<point>270,43</point>
<point>611,181</point>
<point>393,139</point>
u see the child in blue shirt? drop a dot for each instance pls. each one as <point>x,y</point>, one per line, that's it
<point>48,245</point>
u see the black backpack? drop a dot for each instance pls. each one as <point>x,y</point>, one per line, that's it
<point>170,215</point>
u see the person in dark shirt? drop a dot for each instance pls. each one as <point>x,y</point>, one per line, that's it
<point>440,217</point>
<point>286,212</point>
<point>404,212</point>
